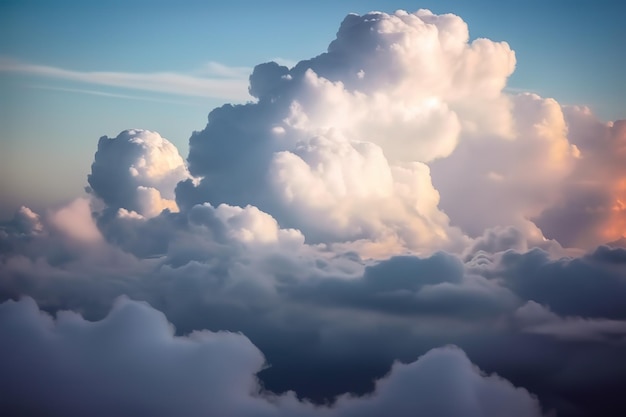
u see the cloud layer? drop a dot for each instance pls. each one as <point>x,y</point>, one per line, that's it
<point>322,249</point>
<point>130,363</point>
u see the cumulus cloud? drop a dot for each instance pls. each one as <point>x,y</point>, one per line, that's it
<point>311,311</point>
<point>131,363</point>
<point>137,171</point>
<point>590,210</point>
<point>353,128</point>
<point>383,199</point>
<point>505,182</point>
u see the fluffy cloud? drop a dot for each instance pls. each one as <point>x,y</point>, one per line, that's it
<point>75,220</point>
<point>378,201</point>
<point>312,312</point>
<point>402,115</point>
<point>352,187</point>
<point>353,127</point>
<point>137,171</point>
<point>591,208</point>
<point>491,181</point>
<point>127,364</point>
<point>131,363</point>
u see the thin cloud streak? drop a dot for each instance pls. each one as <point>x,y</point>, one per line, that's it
<point>112,95</point>
<point>230,84</point>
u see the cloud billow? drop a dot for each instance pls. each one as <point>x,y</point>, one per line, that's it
<point>384,219</point>
<point>136,171</point>
<point>130,363</point>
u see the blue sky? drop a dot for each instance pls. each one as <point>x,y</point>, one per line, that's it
<point>52,111</point>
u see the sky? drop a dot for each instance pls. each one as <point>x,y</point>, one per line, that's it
<point>338,208</point>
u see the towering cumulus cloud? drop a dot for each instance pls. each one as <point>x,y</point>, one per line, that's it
<point>337,146</point>
<point>385,230</point>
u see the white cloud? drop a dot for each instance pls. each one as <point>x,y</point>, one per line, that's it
<point>75,220</point>
<point>529,169</point>
<point>590,207</point>
<point>250,225</point>
<point>220,81</point>
<point>109,94</point>
<point>341,140</point>
<point>138,171</point>
<point>340,191</point>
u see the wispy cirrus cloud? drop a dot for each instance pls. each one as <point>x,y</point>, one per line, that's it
<point>215,80</point>
<point>113,95</point>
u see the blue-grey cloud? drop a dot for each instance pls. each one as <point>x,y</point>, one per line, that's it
<point>131,364</point>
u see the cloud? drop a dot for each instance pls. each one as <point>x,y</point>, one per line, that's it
<point>377,203</point>
<point>75,220</point>
<point>107,94</point>
<point>408,286</point>
<point>354,127</point>
<point>535,318</point>
<point>590,210</point>
<point>27,222</point>
<point>594,282</point>
<point>505,182</point>
<point>312,311</point>
<point>131,363</point>
<point>217,80</point>
<point>137,171</point>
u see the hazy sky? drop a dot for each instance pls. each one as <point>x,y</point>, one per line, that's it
<point>334,209</point>
<point>53,108</point>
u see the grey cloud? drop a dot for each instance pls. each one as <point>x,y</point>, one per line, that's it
<point>312,315</point>
<point>590,286</point>
<point>131,363</point>
<point>410,286</point>
<point>535,318</point>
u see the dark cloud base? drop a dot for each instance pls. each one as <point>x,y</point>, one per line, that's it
<point>324,337</point>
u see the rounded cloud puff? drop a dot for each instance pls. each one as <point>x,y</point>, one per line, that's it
<point>137,171</point>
